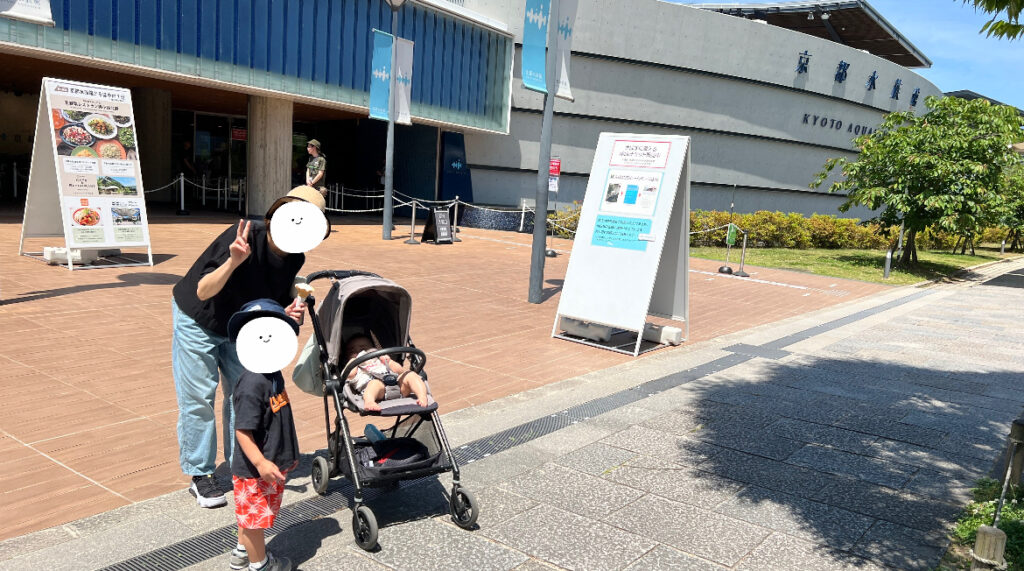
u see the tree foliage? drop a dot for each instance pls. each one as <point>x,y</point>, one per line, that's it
<point>1013,211</point>
<point>941,170</point>
<point>1000,25</point>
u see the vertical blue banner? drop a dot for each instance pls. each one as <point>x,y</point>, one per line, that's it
<point>380,75</point>
<point>535,39</point>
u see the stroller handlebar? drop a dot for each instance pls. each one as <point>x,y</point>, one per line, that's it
<point>418,358</point>
<point>337,274</point>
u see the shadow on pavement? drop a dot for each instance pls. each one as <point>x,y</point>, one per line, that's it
<point>868,461</point>
<point>300,543</point>
<point>127,280</point>
<point>1010,279</point>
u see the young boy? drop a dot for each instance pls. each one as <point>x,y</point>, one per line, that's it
<point>367,378</point>
<point>266,446</point>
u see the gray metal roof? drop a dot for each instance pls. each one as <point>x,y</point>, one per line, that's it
<point>849,22</point>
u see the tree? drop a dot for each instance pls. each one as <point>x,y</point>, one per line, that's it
<point>1013,213</point>
<point>943,169</point>
<point>1010,27</point>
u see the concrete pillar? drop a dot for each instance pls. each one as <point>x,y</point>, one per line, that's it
<point>152,108</point>
<point>270,152</point>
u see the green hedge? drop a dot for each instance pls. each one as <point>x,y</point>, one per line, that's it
<point>781,230</point>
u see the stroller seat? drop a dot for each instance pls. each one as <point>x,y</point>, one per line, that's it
<point>399,406</point>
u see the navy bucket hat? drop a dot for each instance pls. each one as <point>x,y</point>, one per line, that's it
<point>264,307</point>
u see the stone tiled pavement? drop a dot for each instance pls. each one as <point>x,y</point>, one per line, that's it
<point>848,446</point>
<point>88,352</point>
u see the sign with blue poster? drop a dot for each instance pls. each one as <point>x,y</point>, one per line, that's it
<point>630,258</point>
<point>535,41</point>
<point>380,75</point>
<point>622,232</point>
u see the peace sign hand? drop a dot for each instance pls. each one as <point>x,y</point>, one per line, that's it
<point>240,249</point>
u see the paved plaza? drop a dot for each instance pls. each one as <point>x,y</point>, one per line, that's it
<point>808,422</point>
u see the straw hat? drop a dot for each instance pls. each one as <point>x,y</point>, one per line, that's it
<point>305,193</point>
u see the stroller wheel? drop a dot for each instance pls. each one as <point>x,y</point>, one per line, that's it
<point>464,508</point>
<point>364,528</point>
<point>320,474</point>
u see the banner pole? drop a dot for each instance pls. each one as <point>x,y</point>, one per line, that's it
<point>541,210</point>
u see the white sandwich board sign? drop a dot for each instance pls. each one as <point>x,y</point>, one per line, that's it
<point>85,183</point>
<point>630,258</point>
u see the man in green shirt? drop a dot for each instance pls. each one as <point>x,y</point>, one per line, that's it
<point>316,168</point>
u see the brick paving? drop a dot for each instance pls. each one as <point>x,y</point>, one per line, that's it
<point>86,354</point>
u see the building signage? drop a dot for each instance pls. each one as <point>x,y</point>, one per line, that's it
<point>34,11</point>
<point>535,41</point>
<point>380,76</point>
<point>86,164</point>
<point>837,124</point>
<point>403,81</point>
<point>803,61</point>
<point>563,47</point>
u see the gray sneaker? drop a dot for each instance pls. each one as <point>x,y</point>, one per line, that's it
<point>239,559</point>
<point>277,563</point>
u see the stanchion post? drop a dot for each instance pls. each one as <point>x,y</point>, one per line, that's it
<point>14,177</point>
<point>988,549</point>
<point>455,221</point>
<point>202,189</point>
<point>181,197</point>
<point>743,258</point>
<point>412,225</point>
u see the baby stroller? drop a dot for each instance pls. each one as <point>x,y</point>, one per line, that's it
<point>415,445</point>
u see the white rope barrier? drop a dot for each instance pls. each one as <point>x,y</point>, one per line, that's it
<point>711,229</point>
<point>516,211</point>
<point>168,185</point>
<point>339,210</point>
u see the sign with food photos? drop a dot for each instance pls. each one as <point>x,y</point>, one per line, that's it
<point>90,135</point>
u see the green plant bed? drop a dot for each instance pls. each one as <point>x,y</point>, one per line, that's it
<point>864,265</point>
<point>980,512</point>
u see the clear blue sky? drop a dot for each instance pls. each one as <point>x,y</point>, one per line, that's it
<point>946,31</point>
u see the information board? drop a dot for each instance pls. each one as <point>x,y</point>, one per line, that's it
<point>438,226</point>
<point>85,165</point>
<point>630,257</point>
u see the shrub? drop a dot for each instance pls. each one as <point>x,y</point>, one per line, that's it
<point>780,230</point>
<point>981,511</point>
<point>566,220</point>
<point>776,230</point>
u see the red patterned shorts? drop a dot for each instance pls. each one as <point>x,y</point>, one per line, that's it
<point>257,502</point>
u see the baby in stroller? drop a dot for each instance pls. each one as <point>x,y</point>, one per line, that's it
<point>374,377</point>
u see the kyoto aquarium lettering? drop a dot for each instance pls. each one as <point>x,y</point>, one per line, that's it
<point>824,122</point>
<point>842,70</point>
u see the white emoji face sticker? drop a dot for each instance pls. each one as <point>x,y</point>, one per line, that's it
<point>298,227</point>
<point>266,345</point>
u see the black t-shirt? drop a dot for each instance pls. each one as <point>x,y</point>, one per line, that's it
<point>262,274</point>
<point>261,406</point>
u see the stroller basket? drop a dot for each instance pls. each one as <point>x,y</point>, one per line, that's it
<point>413,451</point>
<point>392,459</point>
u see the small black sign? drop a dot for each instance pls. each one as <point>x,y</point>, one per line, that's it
<point>438,227</point>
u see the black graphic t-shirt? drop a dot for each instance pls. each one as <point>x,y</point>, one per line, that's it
<point>261,406</point>
<point>262,274</point>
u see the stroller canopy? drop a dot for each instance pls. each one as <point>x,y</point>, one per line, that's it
<point>365,304</point>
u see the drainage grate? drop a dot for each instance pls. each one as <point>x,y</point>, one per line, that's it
<point>219,541</point>
<point>837,323</point>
